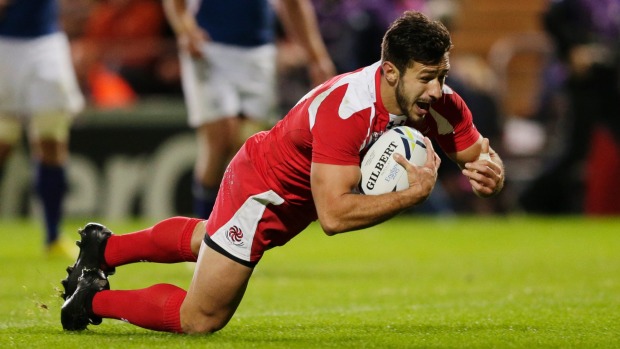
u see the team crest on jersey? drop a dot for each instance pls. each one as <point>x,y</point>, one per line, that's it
<point>372,138</point>
<point>234,235</point>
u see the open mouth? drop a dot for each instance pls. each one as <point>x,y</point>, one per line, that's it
<point>424,107</point>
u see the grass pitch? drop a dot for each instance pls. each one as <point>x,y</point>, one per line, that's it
<point>413,282</point>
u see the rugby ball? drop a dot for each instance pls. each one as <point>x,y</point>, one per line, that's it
<point>380,172</point>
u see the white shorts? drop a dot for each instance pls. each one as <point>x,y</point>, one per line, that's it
<point>37,77</point>
<point>231,81</point>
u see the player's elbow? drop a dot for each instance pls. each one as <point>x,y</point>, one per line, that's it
<point>331,226</point>
<point>329,231</point>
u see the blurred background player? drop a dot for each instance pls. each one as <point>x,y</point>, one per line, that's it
<point>38,91</point>
<point>586,34</point>
<point>228,67</point>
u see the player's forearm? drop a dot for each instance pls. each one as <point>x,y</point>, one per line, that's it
<point>357,211</point>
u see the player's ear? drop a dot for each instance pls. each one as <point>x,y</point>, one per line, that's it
<point>390,72</point>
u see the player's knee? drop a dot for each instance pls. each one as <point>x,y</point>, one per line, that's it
<point>195,322</point>
<point>203,325</point>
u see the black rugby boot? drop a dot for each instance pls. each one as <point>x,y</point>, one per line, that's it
<point>94,238</point>
<point>77,311</point>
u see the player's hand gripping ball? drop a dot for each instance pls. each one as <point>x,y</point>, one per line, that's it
<point>380,172</point>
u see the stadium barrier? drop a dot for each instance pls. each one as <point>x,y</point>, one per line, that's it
<point>124,163</point>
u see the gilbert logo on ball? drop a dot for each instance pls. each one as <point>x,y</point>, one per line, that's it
<point>380,172</point>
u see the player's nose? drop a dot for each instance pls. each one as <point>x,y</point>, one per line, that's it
<point>435,90</point>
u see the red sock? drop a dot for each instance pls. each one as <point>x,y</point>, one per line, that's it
<point>168,241</point>
<point>155,308</point>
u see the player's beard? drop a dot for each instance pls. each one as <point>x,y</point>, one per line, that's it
<point>401,100</point>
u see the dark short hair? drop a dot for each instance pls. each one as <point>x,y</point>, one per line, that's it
<point>413,37</point>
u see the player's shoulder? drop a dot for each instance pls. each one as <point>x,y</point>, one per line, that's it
<point>355,91</point>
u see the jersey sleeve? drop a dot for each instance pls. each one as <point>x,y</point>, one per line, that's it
<point>337,140</point>
<point>455,127</point>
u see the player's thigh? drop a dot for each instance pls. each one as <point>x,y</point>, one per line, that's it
<point>49,137</point>
<point>215,292</point>
<point>10,135</point>
<point>52,126</point>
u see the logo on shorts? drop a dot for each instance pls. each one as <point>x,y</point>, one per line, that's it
<point>234,235</point>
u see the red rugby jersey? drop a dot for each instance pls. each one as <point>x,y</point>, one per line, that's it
<point>335,122</point>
